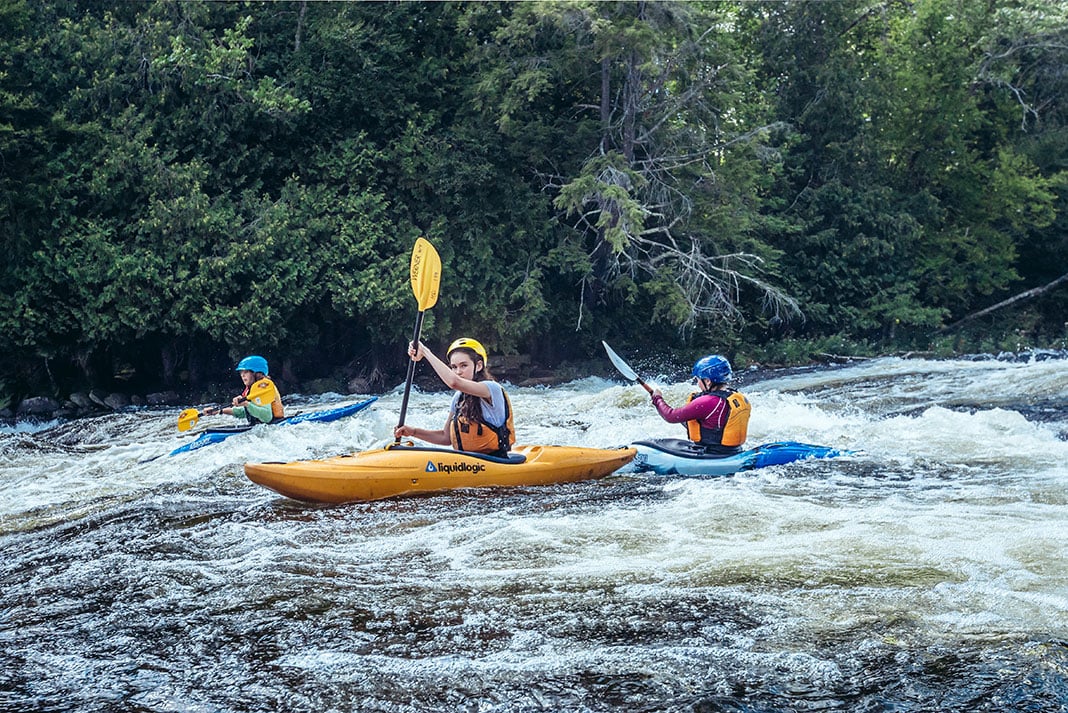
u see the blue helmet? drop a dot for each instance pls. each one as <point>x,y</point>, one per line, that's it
<point>253,363</point>
<point>714,368</point>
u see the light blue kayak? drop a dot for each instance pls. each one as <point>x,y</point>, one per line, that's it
<point>675,456</point>
<point>217,435</point>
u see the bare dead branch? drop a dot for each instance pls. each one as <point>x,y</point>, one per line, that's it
<point>1025,295</point>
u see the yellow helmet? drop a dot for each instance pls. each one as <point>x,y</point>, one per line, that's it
<point>468,343</point>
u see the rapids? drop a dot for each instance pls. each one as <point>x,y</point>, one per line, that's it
<point>927,572</point>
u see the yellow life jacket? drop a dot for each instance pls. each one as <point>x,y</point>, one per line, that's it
<point>734,431</point>
<point>264,392</point>
<point>480,437</point>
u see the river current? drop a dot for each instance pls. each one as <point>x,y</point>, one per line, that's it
<point>926,572</point>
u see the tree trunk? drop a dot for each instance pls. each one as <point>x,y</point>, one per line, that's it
<point>1026,295</point>
<point>606,100</point>
<point>168,359</point>
<point>300,25</point>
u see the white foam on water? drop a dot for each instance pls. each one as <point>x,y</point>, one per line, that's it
<point>949,524</point>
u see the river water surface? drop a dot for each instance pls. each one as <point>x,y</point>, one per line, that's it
<point>927,572</point>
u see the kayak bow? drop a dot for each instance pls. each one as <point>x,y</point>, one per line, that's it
<point>675,456</point>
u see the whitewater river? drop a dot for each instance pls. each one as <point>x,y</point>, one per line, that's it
<point>929,572</point>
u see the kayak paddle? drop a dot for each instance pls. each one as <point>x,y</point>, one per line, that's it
<point>624,368</point>
<point>426,274</point>
<point>264,390</point>
<point>188,418</point>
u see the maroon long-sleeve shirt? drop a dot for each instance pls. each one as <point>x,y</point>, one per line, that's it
<point>709,409</point>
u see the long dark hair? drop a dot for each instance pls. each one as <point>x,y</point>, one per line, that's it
<point>470,407</point>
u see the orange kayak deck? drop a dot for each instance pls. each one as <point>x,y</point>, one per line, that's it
<point>406,470</point>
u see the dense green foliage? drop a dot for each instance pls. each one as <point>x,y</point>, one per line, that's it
<point>183,183</point>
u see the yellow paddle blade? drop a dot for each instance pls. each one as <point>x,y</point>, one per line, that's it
<point>426,274</point>
<point>187,419</point>
<point>263,392</point>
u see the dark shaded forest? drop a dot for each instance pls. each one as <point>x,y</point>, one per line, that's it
<point>184,183</point>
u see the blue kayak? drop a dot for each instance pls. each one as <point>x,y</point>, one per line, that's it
<point>216,435</point>
<point>675,456</point>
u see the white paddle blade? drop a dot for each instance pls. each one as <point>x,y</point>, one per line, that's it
<point>621,365</point>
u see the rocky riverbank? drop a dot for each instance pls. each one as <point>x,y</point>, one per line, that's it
<point>513,369</point>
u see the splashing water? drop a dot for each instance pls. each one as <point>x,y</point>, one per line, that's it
<point>927,572</point>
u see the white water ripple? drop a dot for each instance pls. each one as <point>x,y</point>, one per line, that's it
<point>941,546</point>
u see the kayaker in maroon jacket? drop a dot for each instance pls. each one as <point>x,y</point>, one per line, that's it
<point>717,417</point>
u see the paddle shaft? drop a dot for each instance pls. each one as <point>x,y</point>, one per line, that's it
<point>426,276</point>
<point>411,371</point>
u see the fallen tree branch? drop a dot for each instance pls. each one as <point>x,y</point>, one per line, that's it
<point>1028,294</point>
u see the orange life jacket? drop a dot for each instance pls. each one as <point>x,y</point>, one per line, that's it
<point>734,430</point>
<point>478,436</point>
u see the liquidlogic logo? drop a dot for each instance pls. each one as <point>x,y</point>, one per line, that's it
<point>449,468</point>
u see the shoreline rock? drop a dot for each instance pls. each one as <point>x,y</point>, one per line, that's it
<point>37,405</point>
<point>514,369</point>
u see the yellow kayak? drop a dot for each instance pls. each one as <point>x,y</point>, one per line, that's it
<point>406,469</point>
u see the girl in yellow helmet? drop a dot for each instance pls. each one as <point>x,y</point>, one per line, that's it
<point>480,417</point>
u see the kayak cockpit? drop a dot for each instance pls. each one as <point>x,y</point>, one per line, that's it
<point>685,449</point>
<point>513,458</point>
